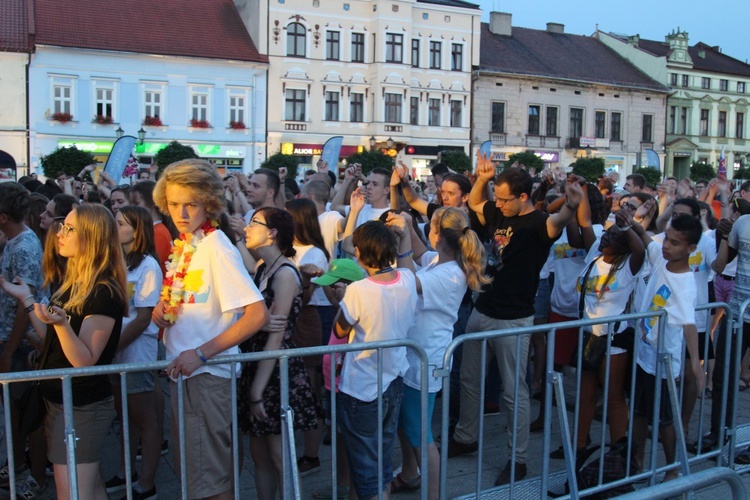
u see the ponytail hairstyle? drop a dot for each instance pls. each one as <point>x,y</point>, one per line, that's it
<point>143,235</point>
<point>452,227</point>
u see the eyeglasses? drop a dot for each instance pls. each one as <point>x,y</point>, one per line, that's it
<point>254,222</point>
<point>65,229</point>
<point>504,201</point>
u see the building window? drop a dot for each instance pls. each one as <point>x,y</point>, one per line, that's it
<point>551,121</point>
<point>685,80</point>
<point>199,105</point>
<point>414,111</point>
<point>740,87</point>
<point>600,124</point>
<point>433,119</point>
<point>739,131</point>
<point>533,128</point>
<point>724,85</point>
<point>153,103</point>
<point>457,57</point>
<point>332,106</point>
<point>358,47</point>
<point>705,115</point>
<point>683,120</point>
<point>722,124</point>
<point>393,108</point>
<point>576,123</point>
<point>237,108</point>
<point>498,117</point>
<point>647,128</point>
<point>295,105</point>
<point>673,79</point>
<point>394,48</point>
<point>357,109</point>
<point>104,102</point>
<point>62,100</point>
<point>333,44</point>
<point>456,108</point>
<point>415,53</point>
<point>295,40</point>
<point>706,83</point>
<point>615,129</point>
<point>436,49</point>
<point>672,120</point>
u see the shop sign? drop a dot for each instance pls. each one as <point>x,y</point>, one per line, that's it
<point>94,147</point>
<point>499,156</point>
<point>614,161</point>
<point>587,141</point>
<point>202,150</point>
<point>288,148</point>
<point>548,156</point>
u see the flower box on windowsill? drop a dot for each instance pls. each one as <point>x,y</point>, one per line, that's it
<point>152,121</point>
<point>199,124</point>
<point>237,127</point>
<point>103,120</point>
<point>61,117</point>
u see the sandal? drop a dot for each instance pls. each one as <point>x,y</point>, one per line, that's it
<point>400,485</point>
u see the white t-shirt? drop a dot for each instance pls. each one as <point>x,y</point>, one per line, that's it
<point>217,287</point>
<point>329,227</point>
<point>568,262</point>
<point>368,213</point>
<point>616,294</point>
<point>144,289</point>
<point>443,288</point>
<point>309,254</point>
<point>739,239</point>
<point>700,264</point>
<point>674,292</point>
<point>381,311</point>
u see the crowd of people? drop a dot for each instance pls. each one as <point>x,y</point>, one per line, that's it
<point>187,266</point>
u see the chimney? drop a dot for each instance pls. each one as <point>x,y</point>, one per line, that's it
<point>500,23</point>
<point>556,28</point>
<point>633,40</point>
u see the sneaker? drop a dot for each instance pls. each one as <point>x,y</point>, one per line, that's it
<point>29,489</point>
<point>146,495</point>
<point>21,473</point>
<point>117,483</point>
<point>307,465</point>
<point>456,448</point>
<point>164,450</point>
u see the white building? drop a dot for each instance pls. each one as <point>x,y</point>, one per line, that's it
<point>136,66</point>
<point>362,69</point>
<point>15,47</point>
<point>563,96</point>
<point>707,109</point>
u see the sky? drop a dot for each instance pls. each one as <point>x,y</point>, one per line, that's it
<point>720,22</point>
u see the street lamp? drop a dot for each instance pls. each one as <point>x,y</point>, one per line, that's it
<point>141,136</point>
<point>120,132</point>
<point>389,142</point>
<point>372,142</point>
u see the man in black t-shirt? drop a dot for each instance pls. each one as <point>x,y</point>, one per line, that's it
<point>520,241</point>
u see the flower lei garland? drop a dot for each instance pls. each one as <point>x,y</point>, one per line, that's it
<point>173,286</point>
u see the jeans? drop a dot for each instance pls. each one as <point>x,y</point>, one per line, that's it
<point>726,354</point>
<point>358,422</point>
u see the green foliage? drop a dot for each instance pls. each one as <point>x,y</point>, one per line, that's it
<point>700,170</point>
<point>527,159</point>
<point>652,175</point>
<point>742,173</point>
<point>279,160</point>
<point>174,151</point>
<point>371,159</point>
<point>589,168</point>
<point>65,160</point>
<point>456,160</point>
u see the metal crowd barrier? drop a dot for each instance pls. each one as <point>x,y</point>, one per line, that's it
<point>291,485</point>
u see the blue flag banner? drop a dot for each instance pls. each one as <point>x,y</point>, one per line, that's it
<point>331,150</point>
<point>119,157</point>
<point>486,148</point>
<point>652,159</point>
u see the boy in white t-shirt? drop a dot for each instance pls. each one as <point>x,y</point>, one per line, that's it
<point>670,287</point>
<point>380,307</point>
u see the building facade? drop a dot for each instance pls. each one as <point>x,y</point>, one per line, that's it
<point>707,109</point>
<point>390,74</point>
<point>203,87</point>
<point>563,96</point>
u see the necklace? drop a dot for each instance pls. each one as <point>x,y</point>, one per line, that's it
<point>268,268</point>
<point>383,271</point>
<point>173,286</point>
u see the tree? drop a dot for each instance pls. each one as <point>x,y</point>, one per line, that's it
<point>69,161</point>
<point>743,173</point>
<point>279,160</point>
<point>589,168</point>
<point>531,161</point>
<point>371,159</point>
<point>174,151</point>
<point>700,170</point>
<point>652,175</point>
<point>456,160</point>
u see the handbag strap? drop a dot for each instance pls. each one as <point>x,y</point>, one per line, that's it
<point>582,298</point>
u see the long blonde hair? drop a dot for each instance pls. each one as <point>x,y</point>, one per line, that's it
<point>453,228</point>
<point>99,261</point>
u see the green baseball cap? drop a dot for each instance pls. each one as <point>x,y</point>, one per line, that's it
<point>340,269</point>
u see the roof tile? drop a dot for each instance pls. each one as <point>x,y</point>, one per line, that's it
<point>14,33</point>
